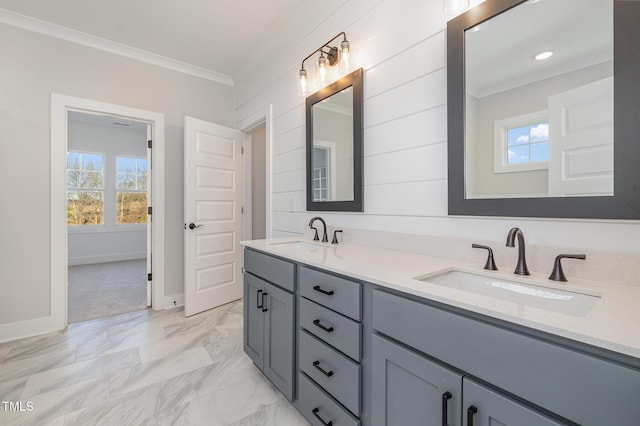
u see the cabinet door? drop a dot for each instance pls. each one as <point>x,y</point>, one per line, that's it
<point>254,319</point>
<point>485,407</point>
<point>279,337</point>
<point>409,389</point>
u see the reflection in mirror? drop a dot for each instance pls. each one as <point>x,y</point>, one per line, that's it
<point>539,101</point>
<point>332,154</point>
<point>334,146</point>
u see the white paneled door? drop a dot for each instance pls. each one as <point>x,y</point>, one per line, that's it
<point>581,140</point>
<point>212,214</point>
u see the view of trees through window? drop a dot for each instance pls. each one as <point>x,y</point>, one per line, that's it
<point>131,183</point>
<point>85,188</point>
<point>86,202</point>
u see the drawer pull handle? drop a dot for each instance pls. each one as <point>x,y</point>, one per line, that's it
<point>321,290</point>
<point>445,408</point>
<point>264,307</point>
<point>315,413</point>
<point>316,364</point>
<point>317,324</point>
<point>258,300</point>
<point>470,412</point>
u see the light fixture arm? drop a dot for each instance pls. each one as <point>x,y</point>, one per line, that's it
<point>331,54</point>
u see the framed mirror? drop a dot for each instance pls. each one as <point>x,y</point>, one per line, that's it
<point>334,146</point>
<point>551,135</point>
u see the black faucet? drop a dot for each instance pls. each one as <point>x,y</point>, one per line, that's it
<point>325,237</point>
<point>521,268</point>
<point>558,274</point>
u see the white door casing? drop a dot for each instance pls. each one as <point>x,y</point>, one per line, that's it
<point>581,140</point>
<point>212,203</point>
<point>149,217</point>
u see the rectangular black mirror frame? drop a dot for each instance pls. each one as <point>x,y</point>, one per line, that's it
<point>356,205</point>
<point>625,203</point>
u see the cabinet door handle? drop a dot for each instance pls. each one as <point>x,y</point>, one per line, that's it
<point>316,364</point>
<point>470,412</point>
<point>323,291</point>
<point>315,413</point>
<point>317,324</point>
<point>258,303</point>
<point>264,307</point>
<point>445,408</point>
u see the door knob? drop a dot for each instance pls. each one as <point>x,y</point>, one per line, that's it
<point>194,226</point>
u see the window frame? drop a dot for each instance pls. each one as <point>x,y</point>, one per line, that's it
<point>501,142</point>
<point>133,191</point>
<point>91,226</point>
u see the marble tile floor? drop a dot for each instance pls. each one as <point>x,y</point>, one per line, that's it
<point>141,368</point>
<point>104,289</point>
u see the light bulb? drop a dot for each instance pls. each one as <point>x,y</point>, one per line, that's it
<point>323,77</point>
<point>454,7</point>
<point>303,83</point>
<point>344,64</point>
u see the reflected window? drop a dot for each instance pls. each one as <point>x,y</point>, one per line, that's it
<point>521,143</point>
<point>319,184</point>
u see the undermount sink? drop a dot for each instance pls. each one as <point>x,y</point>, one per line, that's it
<point>301,246</point>
<point>522,291</point>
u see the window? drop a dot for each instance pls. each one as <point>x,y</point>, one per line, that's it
<point>131,187</point>
<point>85,188</point>
<point>521,143</point>
<point>319,186</point>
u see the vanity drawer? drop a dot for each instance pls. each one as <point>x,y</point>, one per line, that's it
<point>276,271</point>
<point>339,294</point>
<point>339,331</point>
<point>319,408</point>
<point>334,372</point>
<point>563,380</point>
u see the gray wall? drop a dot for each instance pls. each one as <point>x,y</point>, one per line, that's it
<point>258,186</point>
<point>34,66</point>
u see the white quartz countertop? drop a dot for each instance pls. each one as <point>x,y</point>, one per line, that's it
<point>612,322</point>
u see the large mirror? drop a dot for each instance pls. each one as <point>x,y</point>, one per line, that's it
<point>541,95</point>
<point>334,146</point>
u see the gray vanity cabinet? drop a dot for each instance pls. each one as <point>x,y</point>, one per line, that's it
<point>409,389</point>
<point>269,317</point>
<point>485,407</point>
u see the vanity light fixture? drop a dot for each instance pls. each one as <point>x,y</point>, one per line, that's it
<point>329,57</point>
<point>454,7</point>
<point>543,55</point>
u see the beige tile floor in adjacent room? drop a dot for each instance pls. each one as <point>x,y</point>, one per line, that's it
<point>145,367</point>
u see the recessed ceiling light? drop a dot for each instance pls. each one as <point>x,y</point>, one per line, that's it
<point>543,55</point>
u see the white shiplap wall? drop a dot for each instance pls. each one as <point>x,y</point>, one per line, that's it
<point>401,44</point>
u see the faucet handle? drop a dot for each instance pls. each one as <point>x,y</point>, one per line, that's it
<point>558,274</point>
<point>335,239</point>
<point>315,237</point>
<point>490,264</point>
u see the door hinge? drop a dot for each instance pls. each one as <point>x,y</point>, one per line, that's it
<point>149,210</point>
<point>149,275</point>
<point>243,269</point>
<point>242,210</point>
<point>242,150</point>
<point>149,143</point>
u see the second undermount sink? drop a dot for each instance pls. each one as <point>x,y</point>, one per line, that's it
<point>522,291</point>
<point>301,246</point>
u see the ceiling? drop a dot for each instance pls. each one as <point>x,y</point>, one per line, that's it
<point>217,35</point>
<point>499,55</point>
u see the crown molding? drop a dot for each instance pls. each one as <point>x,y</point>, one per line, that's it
<point>57,31</point>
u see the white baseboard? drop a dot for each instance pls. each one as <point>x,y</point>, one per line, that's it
<point>104,258</point>
<point>22,329</point>
<point>173,301</point>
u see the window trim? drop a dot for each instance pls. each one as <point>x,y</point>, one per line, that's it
<point>138,191</point>
<point>91,226</point>
<point>501,145</point>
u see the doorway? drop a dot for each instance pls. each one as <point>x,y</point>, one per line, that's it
<point>108,170</point>
<point>258,139</point>
<point>61,107</point>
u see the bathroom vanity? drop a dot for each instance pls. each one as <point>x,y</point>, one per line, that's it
<point>358,335</point>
